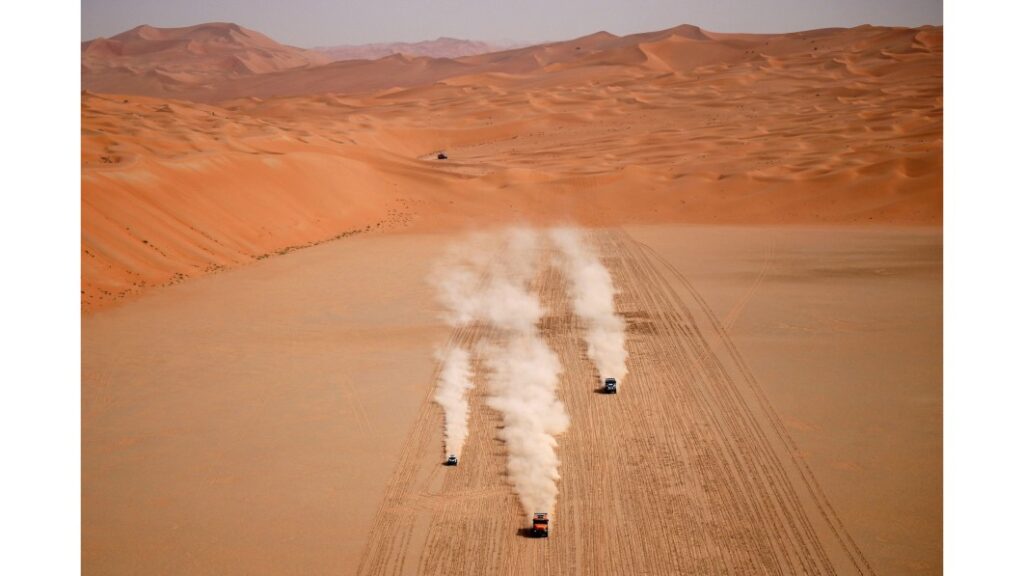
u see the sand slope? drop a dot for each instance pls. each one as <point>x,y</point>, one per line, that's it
<point>833,126</point>
<point>172,61</point>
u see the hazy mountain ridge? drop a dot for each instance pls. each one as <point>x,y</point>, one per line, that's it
<point>151,60</point>
<point>221,61</point>
<point>442,47</point>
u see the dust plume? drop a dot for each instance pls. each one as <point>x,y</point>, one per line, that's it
<point>487,279</point>
<point>456,380</point>
<point>593,300</point>
<point>524,374</point>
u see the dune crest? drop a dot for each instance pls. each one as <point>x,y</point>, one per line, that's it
<point>185,59</point>
<point>839,126</point>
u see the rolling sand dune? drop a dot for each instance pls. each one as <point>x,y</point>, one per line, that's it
<point>768,206</point>
<point>834,126</point>
<point>170,61</point>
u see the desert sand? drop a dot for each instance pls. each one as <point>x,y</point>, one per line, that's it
<point>277,418</point>
<point>834,126</point>
<point>258,330</point>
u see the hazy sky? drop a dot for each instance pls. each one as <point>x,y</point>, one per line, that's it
<point>310,23</point>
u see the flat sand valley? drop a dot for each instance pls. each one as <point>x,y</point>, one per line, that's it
<point>276,418</point>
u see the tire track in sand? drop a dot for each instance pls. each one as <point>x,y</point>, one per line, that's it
<point>734,313</point>
<point>686,471</point>
<point>821,501</point>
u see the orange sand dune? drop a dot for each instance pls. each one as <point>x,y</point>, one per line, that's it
<point>840,126</point>
<point>175,61</point>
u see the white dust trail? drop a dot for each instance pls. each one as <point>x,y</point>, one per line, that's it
<point>456,380</point>
<point>593,300</point>
<point>524,376</point>
<point>487,279</point>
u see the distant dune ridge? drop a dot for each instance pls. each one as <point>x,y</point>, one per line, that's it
<point>215,62</point>
<point>212,146</point>
<point>149,60</point>
<point>442,47</point>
